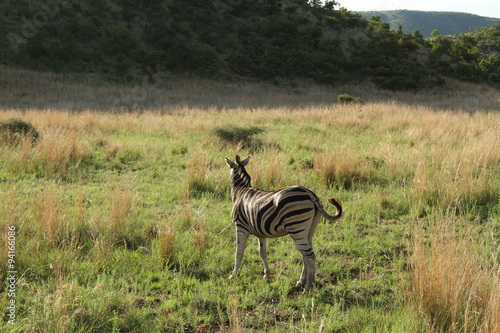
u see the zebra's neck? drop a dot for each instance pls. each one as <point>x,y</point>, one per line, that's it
<point>240,179</point>
<point>237,192</point>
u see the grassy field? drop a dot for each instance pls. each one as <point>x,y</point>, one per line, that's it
<point>122,219</point>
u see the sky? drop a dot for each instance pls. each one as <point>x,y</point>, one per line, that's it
<point>489,8</point>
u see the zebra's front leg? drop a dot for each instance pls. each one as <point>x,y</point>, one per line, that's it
<point>241,243</point>
<point>263,255</point>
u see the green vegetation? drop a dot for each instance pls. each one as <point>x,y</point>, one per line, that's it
<point>448,23</point>
<point>472,55</point>
<point>239,135</point>
<point>274,40</point>
<point>347,99</point>
<point>123,219</point>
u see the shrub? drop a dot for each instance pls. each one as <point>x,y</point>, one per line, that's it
<point>239,135</point>
<point>14,129</point>
<point>348,99</point>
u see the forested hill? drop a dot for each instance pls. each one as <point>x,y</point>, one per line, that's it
<point>447,23</point>
<point>231,39</point>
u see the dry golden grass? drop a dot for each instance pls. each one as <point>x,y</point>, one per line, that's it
<point>48,213</point>
<point>55,151</point>
<point>492,314</point>
<point>234,315</point>
<point>266,171</point>
<point>166,245</point>
<point>340,168</point>
<point>452,155</point>
<point>199,235</point>
<point>459,160</point>
<point>121,201</point>
<point>452,284</point>
<point>197,174</point>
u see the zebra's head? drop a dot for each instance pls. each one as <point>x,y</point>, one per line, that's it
<point>239,176</point>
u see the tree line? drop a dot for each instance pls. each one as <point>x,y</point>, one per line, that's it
<point>231,39</point>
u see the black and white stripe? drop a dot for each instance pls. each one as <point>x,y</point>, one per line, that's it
<point>293,211</point>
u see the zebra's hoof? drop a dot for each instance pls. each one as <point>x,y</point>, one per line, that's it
<point>294,291</point>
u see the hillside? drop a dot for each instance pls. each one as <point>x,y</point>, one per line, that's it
<point>279,41</point>
<point>447,23</point>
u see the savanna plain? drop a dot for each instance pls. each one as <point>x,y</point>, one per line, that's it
<point>121,206</point>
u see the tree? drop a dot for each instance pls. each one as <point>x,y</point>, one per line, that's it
<point>330,5</point>
<point>435,34</point>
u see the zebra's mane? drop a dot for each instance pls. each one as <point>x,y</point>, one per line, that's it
<point>240,176</point>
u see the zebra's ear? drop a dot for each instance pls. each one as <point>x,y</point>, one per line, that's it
<point>245,161</point>
<point>230,163</point>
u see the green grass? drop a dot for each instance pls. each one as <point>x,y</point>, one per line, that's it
<point>123,220</point>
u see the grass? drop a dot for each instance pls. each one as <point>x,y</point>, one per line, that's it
<point>453,284</point>
<point>123,219</point>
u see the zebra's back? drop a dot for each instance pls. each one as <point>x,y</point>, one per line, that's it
<point>275,213</point>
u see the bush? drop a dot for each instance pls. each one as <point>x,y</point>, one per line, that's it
<point>348,99</point>
<point>238,135</point>
<point>14,129</point>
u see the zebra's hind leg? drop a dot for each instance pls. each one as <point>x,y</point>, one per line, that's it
<point>306,280</point>
<point>303,277</point>
<point>263,255</point>
<point>309,257</point>
<point>241,243</point>
<point>309,263</point>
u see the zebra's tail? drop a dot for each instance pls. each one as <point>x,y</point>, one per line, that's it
<point>336,203</point>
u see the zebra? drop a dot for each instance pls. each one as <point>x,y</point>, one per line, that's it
<point>293,210</point>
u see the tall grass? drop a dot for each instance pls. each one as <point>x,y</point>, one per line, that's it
<point>455,186</point>
<point>52,156</point>
<point>453,286</point>
<point>119,228</point>
<point>267,172</point>
<point>198,176</point>
<point>234,314</point>
<point>166,244</point>
<point>459,179</point>
<point>339,168</point>
<point>200,235</point>
<point>51,226</point>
